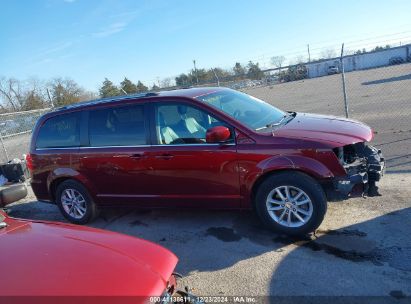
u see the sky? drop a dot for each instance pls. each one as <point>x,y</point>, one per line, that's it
<point>148,40</point>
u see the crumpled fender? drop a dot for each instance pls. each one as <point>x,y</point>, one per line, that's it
<point>301,163</point>
<point>305,164</point>
<point>310,166</point>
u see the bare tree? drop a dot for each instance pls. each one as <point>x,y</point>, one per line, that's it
<point>11,94</point>
<point>88,95</point>
<point>35,95</point>
<point>348,52</point>
<point>166,82</point>
<point>278,61</point>
<point>328,53</point>
<point>299,59</point>
<point>17,95</point>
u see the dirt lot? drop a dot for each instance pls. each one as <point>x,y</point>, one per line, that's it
<point>363,248</point>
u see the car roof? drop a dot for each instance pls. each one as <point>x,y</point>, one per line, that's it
<point>188,93</point>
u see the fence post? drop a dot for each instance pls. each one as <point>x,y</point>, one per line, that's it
<point>50,99</point>
<point>218,80</point>
<point>4,147</point>
<point>343,81</point>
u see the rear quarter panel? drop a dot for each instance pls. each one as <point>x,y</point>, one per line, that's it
<point>45,163</point>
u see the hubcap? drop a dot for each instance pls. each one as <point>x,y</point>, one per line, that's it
<point>289,206</point>
<point>73,203</point>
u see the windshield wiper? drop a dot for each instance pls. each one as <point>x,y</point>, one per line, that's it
<point>273,124</point>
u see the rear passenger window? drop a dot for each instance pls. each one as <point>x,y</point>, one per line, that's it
<point>117,126</point>
<point>61,131</point>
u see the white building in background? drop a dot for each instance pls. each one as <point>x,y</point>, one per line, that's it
<point>359,62</point>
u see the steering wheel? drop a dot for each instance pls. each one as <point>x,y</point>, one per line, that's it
<point>236,113</point>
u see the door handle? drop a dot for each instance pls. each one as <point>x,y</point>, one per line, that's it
<point>164,156</point>
<point>136,156</point>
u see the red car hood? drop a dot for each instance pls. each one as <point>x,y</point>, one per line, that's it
<point>336,130</point>
<point>41,258</point>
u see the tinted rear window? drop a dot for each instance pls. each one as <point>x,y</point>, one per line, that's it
<point>61,131</point>
<point>117,126</point>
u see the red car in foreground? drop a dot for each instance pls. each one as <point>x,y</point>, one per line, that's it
<point>201,148</point>
<point>43,261</point>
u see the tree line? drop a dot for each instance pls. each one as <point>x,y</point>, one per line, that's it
<point>215,75</point>
<point>17,95</point>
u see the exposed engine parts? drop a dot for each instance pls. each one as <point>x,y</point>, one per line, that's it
<point>364,165</point>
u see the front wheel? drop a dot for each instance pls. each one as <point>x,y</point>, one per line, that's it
<point>291,202</point>
<point>75,203</point>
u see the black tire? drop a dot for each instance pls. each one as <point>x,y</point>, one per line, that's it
<point>298,180</point>
<point>91,210</point>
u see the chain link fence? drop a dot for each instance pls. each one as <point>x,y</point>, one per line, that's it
<point>15,132</point>
<point>378,94</point>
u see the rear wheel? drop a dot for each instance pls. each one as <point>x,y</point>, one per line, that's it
<point>291,203</point>
<point>75,202</point>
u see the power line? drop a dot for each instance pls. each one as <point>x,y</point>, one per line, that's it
<point>326,44</point>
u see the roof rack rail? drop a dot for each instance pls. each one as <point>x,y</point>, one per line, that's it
<point>108,99</point>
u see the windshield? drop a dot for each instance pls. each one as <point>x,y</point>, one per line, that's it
<point>249,110</point>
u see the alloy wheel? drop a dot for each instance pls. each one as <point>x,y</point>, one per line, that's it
<point>289,206</point>
<point>73,203</point>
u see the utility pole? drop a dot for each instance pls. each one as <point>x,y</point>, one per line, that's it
<point>50,99</point>
<point>309,56</point>
<point>195,70</point>
<point>218,80</point>
<point>343,81</point>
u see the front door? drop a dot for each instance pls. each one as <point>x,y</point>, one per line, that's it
<point>190,172</point>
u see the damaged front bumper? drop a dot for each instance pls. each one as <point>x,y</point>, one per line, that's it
<point>365,165</point>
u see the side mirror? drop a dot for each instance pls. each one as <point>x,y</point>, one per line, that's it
<point>218,134</point>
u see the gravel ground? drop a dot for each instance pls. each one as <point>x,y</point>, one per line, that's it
<point>363,247</point>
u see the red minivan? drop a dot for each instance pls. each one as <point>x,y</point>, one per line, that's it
<point>201,148</point>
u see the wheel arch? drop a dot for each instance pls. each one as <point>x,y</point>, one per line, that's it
<point>54,184</point>
<point>60,175</point>
<point>270,173</point>
<point>290,163</point>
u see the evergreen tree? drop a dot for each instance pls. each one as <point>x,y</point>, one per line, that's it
<point>108,89</point>
<point>128,86</point>
<point>182,80</point>
<point>65,91</point>
<point>254,71</point>
<point>141,87</point>
<point>239,70</point>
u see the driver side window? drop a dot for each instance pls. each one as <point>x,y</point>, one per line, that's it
<point>182,124</point>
